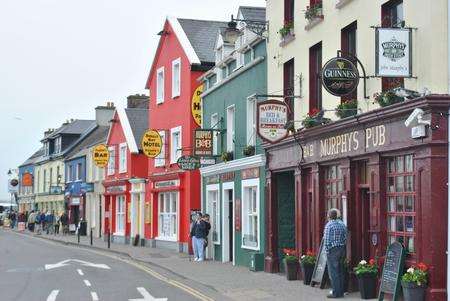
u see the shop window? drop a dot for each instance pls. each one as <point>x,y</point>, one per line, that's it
<point>176,78</point>
<point>230,129</point>
<point>213,199</point>
<point>251,121</point>
<point>400,201</point>
<point>111,162</point>
<point>215,125</point>
<point>160,160</point>
<point>160,85</point>
<point>167,215</point>
<point>120,215</point>
<point>289,86</point>
<point>123,158</point>
<point>315,85</point>
<point>334,185</point>
<point>250,214</point>
<point>175,144</point>
<point>348,47</point>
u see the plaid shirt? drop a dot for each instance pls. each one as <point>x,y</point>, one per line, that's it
<point>335,234</point>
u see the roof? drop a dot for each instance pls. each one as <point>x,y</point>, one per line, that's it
<point>33,157</point>
<point>76,127</point>
<point>253,13</point>
<point>138,119</point>
<point>202,36</point>
<point>97,136</point>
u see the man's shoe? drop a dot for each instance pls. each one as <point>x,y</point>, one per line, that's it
<point>331,296</point>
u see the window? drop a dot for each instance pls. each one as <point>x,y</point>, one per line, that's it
<point>250,214</point>
<point>37,181</point>
<point>288,86</point>
<point>112,161</point>
<point>46,148</point>
<point>123,157</point>
<point>315,86</point>
<point>175,144</point>
<point>120,215</point>
<point>400,201</point>
<point>58,145</point>
<point>176,77</point>
<point>160,85</point>
<point>348,47</point>
<point>289,11</point>
<point>251,121</point>
<point>69,173</point>
<point>213,199</point>
<point>51,176</point>
<point>44,188</point>
<point>160,160</point>
<point>167,215</point>
<point>215,125</point>
<point>240,56</point>
<point>78,172</point>
<point>334,185</point>
<point>58,179</point>
<point>230,129</point>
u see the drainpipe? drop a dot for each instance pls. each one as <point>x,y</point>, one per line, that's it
<point>448,152</point>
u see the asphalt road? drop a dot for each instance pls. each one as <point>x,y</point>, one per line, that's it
<point>32,269</point>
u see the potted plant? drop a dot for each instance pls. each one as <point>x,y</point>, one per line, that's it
<point>249,150</point>
<point>307,262</point>
<point>414,283</point>
<point>291,264</point>
<point>314,118</point>
<point>287,29</point>
<point>347,108</point>
<point>313,12</point>
<point>227,156</point>
<point>367,272</point>
<point>387,98</point>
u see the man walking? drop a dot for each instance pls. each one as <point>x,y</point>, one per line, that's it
<point>335,240</point>
<point>198,238</point>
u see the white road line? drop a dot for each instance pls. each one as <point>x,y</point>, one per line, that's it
<point>52,296</point>
<point>80,272</point>
<point>94,296</point>
<point>87,282</point>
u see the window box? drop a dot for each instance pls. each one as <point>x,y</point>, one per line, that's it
<point>286,33</point>
<point>248,151</point>
<point>314,15</point>
<point>341,3</point>
<point>314,118</point>
<point>347,108</point>
<point>387,98</point>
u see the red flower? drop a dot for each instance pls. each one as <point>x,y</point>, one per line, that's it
<point>309,253</point>
<point>372,261</point>
<point>314,112</point>
<point>422,266</point>
<point>290,252</point>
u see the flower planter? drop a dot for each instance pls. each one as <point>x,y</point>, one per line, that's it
<point>367,285</point>
<point>291,269</point>
<point>307,271</point>
<point>413,292</point>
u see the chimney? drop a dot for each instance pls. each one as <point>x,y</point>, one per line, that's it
<point>103,114</point>
<point>138,101</point>
<point>48,132</point>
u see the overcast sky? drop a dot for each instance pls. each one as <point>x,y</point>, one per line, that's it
<point>61,58</point>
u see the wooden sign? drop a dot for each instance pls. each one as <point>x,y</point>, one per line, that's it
<point>203,143</point>
<point>392,269</point>
<point>237,214</point>
<point>320,269</point>
<point>227,177</point>
<point>196,105</point>
<point>271,120</point>
<point>100,155</point>
<point>151,143</point>
<point>27,179</point>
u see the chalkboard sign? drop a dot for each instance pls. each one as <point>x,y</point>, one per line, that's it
<point>392,269</point>
<point>320,269</point>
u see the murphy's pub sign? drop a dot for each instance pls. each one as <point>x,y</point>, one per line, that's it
<point>393,52</point>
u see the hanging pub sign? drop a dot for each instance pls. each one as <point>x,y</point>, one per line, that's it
<point>203,143</point>
<point>100,155</point>
<point>151,143</point>
<point>27,179</point>
<point>393,52</point>
<point>196,105</point>
<point>271,119</point>
<point>340,76</point>
<point>188,163</point>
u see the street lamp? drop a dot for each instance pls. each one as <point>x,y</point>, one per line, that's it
<point>258,27</point>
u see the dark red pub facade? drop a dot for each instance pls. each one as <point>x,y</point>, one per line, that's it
<point>388,186</point>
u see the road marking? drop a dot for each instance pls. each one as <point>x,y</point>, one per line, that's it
<point>52,296</point>
<point>57,265</point>
<point>84,263</point>
<point>94,296</point>
<point>147,296</point>
<point>80,272</point>
<point>87,282</point>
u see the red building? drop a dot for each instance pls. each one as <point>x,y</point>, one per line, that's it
<point>126,172</point>
<point>185,52</point>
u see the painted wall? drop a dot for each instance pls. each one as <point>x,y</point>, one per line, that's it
<point>71,166</point>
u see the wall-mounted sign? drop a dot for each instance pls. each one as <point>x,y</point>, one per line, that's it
<point>393,52</point>
<point>55,190</point>
<point>164,184</point>
<point>340,76</point>
<point>100,155</point>
<point>271,118</point>
<point>227,177</point>
<point>27,179</point>
<point>116,189</point>
<point>250,173</point>
<point>203,143</point>
<point>196,105</point>
<point>87,187</point>
<point>207,161</point>
<point>75,201</point>
<point>212,179</point>
<point>188,163</point>
<point>151,143</point>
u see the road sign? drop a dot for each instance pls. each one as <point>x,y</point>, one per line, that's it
<point>100,155</point>
<point>151,143</point>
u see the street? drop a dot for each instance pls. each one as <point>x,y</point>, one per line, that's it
<point>33,269</point>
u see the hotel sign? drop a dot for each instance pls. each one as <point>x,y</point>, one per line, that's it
<point>272,116</point>
<point>340,76</point>
<point>393,52</point>
<point>196,105</point>
<point>151,143</point>
<point>203,143</point>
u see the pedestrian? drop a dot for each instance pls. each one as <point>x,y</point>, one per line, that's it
<point>208,227</point>
<point>42,220</point>
<point>64,223</point>
<point>12,218</point>
<point>49,221</point>
<point>37,223</point>
<point>335,241</point>
<point>57,218</point>
<point>31,220</point>
<point>198,234</point>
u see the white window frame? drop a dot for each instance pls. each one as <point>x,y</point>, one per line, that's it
<point>240,56</point>
<point>170,214</point>
<point>58,142</point>
<point>176,86</point>
<point>175,153</point>
<point>47,148</point>
<point>214,215</point>
<point>160,160</point>
<point>251,120</point>
<point>231,128</point>
<point>120,215</point>
<point>111,168</point>
<point>248,184</point>
<point>215,125</point>
<point>78,168</point>
<point>123,157</point>
<point>160,86</point>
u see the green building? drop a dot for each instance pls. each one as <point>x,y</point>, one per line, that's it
<point>233,188</point>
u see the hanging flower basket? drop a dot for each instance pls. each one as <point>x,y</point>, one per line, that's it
<point>227,156</point>
<point>414,283</point>
<point>347,109</point>
<point>387,98</point>
<point>249,150</point>
<point>314,118</point>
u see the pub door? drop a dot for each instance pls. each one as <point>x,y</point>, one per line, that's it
<point>364,200</point>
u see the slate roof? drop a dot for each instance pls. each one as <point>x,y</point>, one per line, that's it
<point>78,127</point>
<point>138,119</point>
<point>253,13</point>
<point>202,35</point>
<point>33,157</point>
<point>97,136</point>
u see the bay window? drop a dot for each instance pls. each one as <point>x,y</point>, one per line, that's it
<point>120,215</point>
<point>250,214</point>
<point>167,215</point>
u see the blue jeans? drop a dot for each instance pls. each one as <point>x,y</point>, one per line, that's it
<point>198,246</point>
<point>335,257</point>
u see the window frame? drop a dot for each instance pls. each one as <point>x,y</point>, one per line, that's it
<point>338,181</point>
<point>120,215</point>
<point>315,85</point>
<point>214,122</point>
<point>251,184</point>
<point>251,120</point>
<point>169,215</point>
<point>111,168</point>
<point>231,133</point>
<point>214,215</point>
<point>160,85</point>
<point>174,156</point>
<point>78,171</point>
<point>160,160</point>
<point>176,89</point>
<point>123,157</point>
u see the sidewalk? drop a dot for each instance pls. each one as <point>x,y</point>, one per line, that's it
<point>218,280</point>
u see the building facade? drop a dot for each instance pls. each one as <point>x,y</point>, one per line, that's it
<point>26,194</point>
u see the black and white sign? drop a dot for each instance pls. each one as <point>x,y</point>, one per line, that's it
<point>340,76</point>
<point>271,119</point>
<point>393,52</point>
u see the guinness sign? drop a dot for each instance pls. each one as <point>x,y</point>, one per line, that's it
<point>340,76</point>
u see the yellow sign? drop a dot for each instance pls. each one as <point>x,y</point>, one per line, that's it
<point>100,155</point>
<point>151,143</point>
<point>196,105</point>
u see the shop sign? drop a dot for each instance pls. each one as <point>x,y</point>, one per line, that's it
<point>55,190</point>
<point>340,76</point>
<point>75,201</point>
<point>164,184</point>
<point>250,173</point>
<point>151,143</point>
<point>393,52</point>
<point>227,177</point>
<point>100,155</point>
<point>237,215</point>
<point>196,105</point>
<point>27,179</point>
<point>203,143</point>
<point>188,163</point>
<point>271,119</point>
<point>116,189</point>
<point>320,268</point>
<point>392,269</point>
<point>207,161</point>
<point>212,180</point>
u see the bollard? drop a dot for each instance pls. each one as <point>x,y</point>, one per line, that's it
<point>91,236</point>
<point>109,240</point>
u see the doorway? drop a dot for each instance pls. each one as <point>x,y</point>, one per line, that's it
<point>364,199</point>
<point>227,220</point>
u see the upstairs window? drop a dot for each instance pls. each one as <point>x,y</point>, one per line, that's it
<point>58,145</point>
<point>46,148</point>
<point>175,144</point>
<point>215,125</point>
<point>348,47</point>
<point>112,161</point>
<point>289,9</point>
<point>251,121</point>
<point>230,129</point>
<point>78,172</point>
<point>288,86</point>
<point>315,85</point>
<point>69,173</point>
<point>123,158</point>
<point>176,78</point>
<point>160,85</point>
<point>240,56</point>
<point>160,160</point>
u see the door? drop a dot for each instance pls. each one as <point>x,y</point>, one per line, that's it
<point>227,221</point>
<point>364,199</point>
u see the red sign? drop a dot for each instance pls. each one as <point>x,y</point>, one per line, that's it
<point>27,179</point>
<point>237,214</point>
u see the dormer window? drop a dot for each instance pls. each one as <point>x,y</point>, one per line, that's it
<point>219,54</point>
<point>58,143</point>
<point>239,54</point>
<point>46,148</point>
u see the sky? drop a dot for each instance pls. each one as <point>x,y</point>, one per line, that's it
<point>59,59</point>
